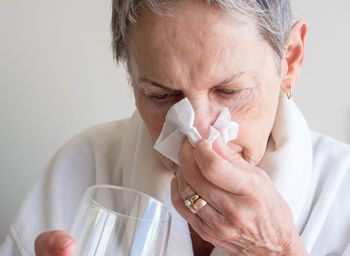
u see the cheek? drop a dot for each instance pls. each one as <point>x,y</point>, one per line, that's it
<point>256,125</point>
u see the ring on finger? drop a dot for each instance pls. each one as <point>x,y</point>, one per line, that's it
<point>195,203</point>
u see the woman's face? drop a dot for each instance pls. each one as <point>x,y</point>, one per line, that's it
<point>202,53</point>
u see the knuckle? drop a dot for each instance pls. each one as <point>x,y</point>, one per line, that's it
<point>223,231</point>
<point>176,201</point>
<point>223,228</point>
<point>205,228</point>
<point>241,220</point>
<point>185,191</point>
<point>230,208</point>
<point>212,169</point>
<point>264,177</point>
<point>191,176</point>
<point>205,236</point>
<point>203,231</point>
<point>254,185</point>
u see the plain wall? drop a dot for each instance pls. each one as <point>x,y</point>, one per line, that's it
<point>57,77</point>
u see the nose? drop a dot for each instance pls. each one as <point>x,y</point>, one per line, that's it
<point>206,114</point>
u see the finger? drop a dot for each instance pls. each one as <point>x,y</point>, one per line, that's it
<point>58,243</point>
<point>205,231</point>
<point>222,149</point>
<point>192,181</point>
<point>222,173</point>
<point>218,223</point>
<point>189,174</point>
<point>197,223</point>
<point>185,190</point>
<point>192,176</point>
<point>207,213</point>
<point>178,203</point>
<point>230,151</point>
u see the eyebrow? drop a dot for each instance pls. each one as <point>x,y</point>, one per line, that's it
<point>155,84</point>
<point>222,83</point>
<point>228,80</point>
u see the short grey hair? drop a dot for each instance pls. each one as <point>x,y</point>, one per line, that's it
<point>273,18</point>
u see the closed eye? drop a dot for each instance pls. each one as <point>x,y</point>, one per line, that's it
<point>166,97</point>
<point>160,96</point>
<point>227,91</point>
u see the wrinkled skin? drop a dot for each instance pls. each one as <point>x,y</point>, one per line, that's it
<point>202,53</point>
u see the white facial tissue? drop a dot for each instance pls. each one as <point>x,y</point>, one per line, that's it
<point>179,124</point>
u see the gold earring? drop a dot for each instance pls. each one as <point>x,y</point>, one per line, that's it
<point>289,93</point>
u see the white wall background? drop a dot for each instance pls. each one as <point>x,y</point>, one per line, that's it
<point>57,78</point>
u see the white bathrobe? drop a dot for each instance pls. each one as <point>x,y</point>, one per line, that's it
<point>311,171</point>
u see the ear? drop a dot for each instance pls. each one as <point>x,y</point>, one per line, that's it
<point>293,56</point>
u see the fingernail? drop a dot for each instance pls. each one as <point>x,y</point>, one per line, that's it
<point>63,242</point>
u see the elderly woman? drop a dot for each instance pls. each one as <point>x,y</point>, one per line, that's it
<point>277,189</point>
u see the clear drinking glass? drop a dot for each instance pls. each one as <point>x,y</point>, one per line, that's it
<point>114,220</point>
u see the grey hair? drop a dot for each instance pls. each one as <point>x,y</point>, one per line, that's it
<point>273,18</point>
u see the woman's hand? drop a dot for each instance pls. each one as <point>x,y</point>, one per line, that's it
<point>245,214</point>
<point>55,243</point>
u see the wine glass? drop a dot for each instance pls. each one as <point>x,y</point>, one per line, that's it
<point>114,220</point>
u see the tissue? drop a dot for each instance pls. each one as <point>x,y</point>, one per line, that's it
<point>179,124</point>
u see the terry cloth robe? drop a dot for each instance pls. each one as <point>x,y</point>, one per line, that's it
<point>311,171</point>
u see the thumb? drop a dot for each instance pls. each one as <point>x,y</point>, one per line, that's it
<point>55,243</point>
<point>225,151</point>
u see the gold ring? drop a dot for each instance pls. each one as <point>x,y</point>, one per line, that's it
<point>195,203</point>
